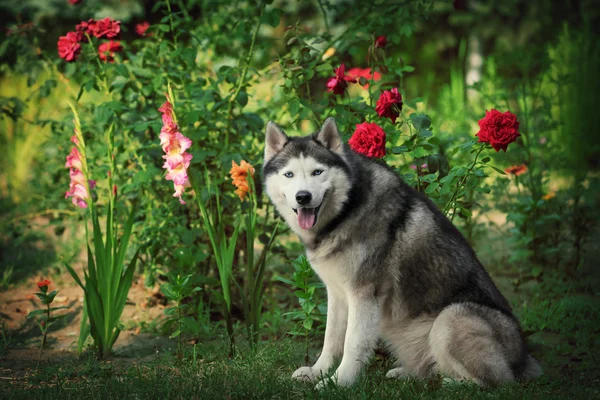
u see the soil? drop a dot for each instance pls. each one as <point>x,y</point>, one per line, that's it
<point>144,306</point>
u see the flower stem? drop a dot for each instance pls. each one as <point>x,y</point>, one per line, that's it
<point>179,344</point>
<point>371,64</point>
<point>104,80</point>
<point>461,183</point>
<point>324,15</point>
<point>171,22</point>
<point>242,79</point>
<point>45,333</point>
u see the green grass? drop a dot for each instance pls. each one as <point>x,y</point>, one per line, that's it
<point>560,316</point>
<point>265,373</point>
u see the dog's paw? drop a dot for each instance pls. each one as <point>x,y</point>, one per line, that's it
<point>323,383</point>
<point>397,373</point>
<point>304,374</point>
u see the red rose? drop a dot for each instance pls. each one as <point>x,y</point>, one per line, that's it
<point>107,28</point>
<point>368,139</point>
<point>85,27</point>
<point>68,46</point>
<point>141,29</point>
<point>44,283</point>
<point>338,84</point>
<point>381,41</point>
<point>389,104</point>
<point>365,73</point>
<point>498,129</point>
<point>107,50</point>
<point>74,1</point>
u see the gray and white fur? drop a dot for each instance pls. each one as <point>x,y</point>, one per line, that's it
<point>394,266</point>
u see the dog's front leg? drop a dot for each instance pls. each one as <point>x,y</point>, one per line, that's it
<point>335,331</point>
<point>361,338</point>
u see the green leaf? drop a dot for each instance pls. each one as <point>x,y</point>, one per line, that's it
<point>169,292</point>
<point>399,149</point>
<point>419,152</point>
<point>271,17</point>
<point>242,98</point>
<point>284,280</point>
<point>73,274</point>
<point>420,121</point>
<point>170,311</point>
<point>122,248</point>
<point>308,324</point>
<point>57,308</point>
<point>497,169</point>
<point>35,313</point>
<point>142,72</point>
<point>84,328</point>
<point>431,188</point>
<point>324,68</point>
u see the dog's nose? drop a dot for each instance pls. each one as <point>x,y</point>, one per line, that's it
<point>303,197</point>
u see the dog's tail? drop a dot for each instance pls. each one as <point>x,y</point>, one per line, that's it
<point>533,369</point>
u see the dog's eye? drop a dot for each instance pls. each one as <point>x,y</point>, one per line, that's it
<point>317,172</point>
<point>289,174</point>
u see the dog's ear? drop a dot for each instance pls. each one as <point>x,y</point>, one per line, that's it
<point>330,137</point>
<point>275,140</point>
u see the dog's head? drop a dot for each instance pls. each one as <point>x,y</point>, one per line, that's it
<point>306,177</point>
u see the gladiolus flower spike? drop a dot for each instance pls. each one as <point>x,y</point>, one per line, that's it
<point>80,186</point>
<point>174,144</point>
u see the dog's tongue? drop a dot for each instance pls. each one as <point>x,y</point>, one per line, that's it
<point>306,217</point>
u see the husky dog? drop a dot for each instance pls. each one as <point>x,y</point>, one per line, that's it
<point>394,266</point>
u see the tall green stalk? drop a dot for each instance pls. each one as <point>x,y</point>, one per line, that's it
<point>252,295</point>
<point>107,282</point>
<point>223,248</point>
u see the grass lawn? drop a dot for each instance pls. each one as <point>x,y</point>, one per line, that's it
<point>560,317</point>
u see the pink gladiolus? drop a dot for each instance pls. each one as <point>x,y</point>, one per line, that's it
<point>79,194</point>
<point>74,159</point>
<point>174,144</point>
<point>77,176</point>
<point>77,189</point>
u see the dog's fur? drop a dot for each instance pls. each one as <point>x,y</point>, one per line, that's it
<point>394,266</point>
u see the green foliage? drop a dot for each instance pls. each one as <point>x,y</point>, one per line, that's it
<point>44,317</point>
<point>223,249</point>
<point>255,269</point>
<point>311,315</point>
<point>177,289</point>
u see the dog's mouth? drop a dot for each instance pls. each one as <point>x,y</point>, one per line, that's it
<point>307,217</point>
